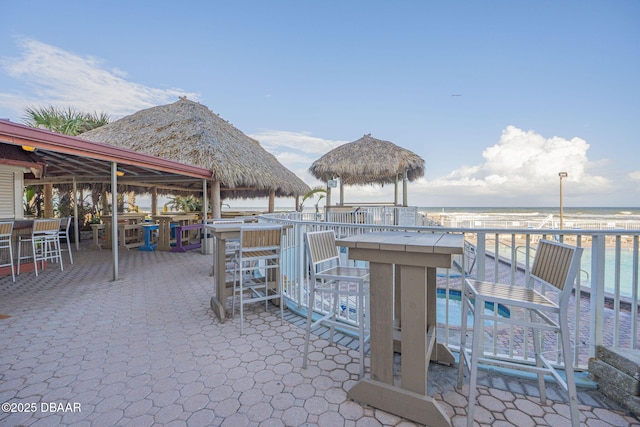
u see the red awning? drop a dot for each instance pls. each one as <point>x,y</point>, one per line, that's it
<point>15,155</point>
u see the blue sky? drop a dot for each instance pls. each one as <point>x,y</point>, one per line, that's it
<point>543,86</point>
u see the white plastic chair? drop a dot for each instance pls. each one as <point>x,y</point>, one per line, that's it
<point>258,269</point>
<point>45,243</point>
<point>6,246</point>
<point>340,285</point>
<point>64,234</point>
<point>555,268</point>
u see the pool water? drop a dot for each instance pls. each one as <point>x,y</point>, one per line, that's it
<point>455,308</point>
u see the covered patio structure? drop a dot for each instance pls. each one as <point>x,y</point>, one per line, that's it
<point>188,132</point>
<point>72,160</point>
<point>368,161</point>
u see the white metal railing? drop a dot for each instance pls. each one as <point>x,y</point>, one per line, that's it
<point>536,221</point>
<point>605,313</point>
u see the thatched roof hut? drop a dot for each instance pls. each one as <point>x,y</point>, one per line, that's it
<point>188,132</point>
<point>368,161</point>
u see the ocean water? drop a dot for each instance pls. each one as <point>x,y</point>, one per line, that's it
<point>622,212</point>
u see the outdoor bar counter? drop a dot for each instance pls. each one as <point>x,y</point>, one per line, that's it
<point>414,257</point>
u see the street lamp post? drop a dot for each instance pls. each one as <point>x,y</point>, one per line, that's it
<point>561,175</point>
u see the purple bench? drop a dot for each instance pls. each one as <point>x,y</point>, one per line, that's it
<point>187,245</point>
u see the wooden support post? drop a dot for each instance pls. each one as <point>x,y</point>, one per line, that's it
<point>154,200</point>
<point>215,200</point>
<point>48,200</point>
<point>272,201</point>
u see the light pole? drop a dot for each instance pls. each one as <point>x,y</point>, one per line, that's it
<point>561,175</point>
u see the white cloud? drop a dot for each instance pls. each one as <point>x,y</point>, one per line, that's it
<point>523,166</point>
<point>59,78</point>
<point>634,176</point>
<point>277,141</point>
<point>296,150</point>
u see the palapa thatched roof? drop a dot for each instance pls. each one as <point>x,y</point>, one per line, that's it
<point>188,132</point>
<point>368,161</point>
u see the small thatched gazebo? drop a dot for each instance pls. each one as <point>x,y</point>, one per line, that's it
<point>368,161</point>
<point>188,132</point>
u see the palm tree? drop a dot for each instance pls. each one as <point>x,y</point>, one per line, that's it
<point>317,190</point>
<point>65,121</point>
<point>68,122</point>
<point>189,203</point>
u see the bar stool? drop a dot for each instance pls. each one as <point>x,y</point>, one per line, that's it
<point>45,243</point>
<point>341,289</point>
<point>64,234</point>
<point>554,269</point>
<point>257,267</point>
<point>6,228</point>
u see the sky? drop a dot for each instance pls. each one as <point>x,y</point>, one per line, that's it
<point>497,97</point>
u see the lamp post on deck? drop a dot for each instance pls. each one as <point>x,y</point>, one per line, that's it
<point>561,175</point>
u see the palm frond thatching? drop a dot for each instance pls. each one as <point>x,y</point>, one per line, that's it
<point>188,132</point>
<point>368,161</point>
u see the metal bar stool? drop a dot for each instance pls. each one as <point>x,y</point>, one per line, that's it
<point>6,228</point>
<point>258,268</point>
<point>45,243</point>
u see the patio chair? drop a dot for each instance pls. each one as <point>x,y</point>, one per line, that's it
<point>45,243</point>
<point>554,268</point>
<point>64,234</point>
<point>6,228</point>
<point>337,287</point>
<point>258,268</point>
<point>231,246</point>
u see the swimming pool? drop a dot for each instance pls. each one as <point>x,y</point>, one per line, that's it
<point>454,311</point>
<point>455,308</point>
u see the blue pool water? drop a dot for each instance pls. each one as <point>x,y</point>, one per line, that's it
<point>626,270</point>
<point>455,308</point>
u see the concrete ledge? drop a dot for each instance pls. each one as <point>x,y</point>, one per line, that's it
<point>625,359</point>
<point>617,371</point>
<point>605,372</point>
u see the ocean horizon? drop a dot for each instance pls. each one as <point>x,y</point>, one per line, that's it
<point>624,211</point>
<point>589,211</point>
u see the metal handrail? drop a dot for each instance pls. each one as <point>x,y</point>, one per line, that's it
<point>622,334</point>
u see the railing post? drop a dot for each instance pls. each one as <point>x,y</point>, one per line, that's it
<point>634,295</point>
<point>301,263</point>
<point>596,305</point>
<point>481,255</point>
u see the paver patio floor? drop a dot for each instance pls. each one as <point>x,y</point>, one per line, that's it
<point>147,350</point>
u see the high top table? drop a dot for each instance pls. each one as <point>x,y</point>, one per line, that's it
<point>414,257</point>
<point>223,232</point>
<point>164,227</point>
<point>224,289</point>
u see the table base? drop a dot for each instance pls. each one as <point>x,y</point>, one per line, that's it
<point>218,309</point>
<point>407,404</point>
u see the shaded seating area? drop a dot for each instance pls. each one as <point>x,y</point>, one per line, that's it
<point>367,161</point>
